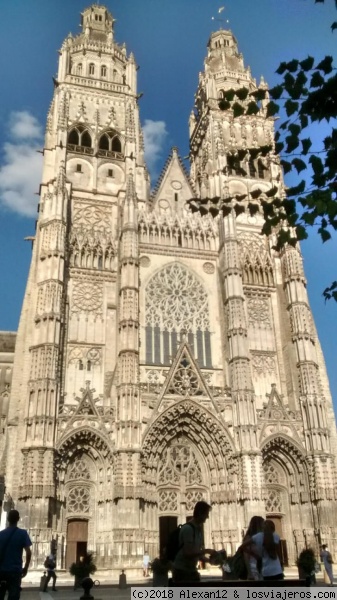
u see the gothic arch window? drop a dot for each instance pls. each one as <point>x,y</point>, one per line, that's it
<point>176,301</point>
<point>103,71</point>
<point>78,138</point>
<point>91,69</point>
<point>109,143</point>
<point>79,69</point>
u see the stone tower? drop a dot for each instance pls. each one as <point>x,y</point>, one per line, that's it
<point>162,356</point>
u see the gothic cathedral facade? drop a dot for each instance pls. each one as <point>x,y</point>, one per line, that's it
<point>162,356</point>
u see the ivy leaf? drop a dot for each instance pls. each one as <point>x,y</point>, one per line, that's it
<point>298,189</point>
<point>284,125</point>
<point>290,107</point>
<point>325,65</point>
<point>229,95</point>
<point>272,192</point>
<point>286,166</point>
<point>259,94</point>
<point>334,26</point>
<point>316,164</point>
<point>307,63</point>
<point>255,194</point>
<point>292,65</point>
<point>252,108</point>
<point>242,93</point>
<point>306,145</point>
<point>299,164</point>
<point>317,80</point>
<point>238,109</point>
<point>224,104</point>
<point>282,68</point>
<point>276,92</point>
<point>304,121</point>
<point>289,82</point>
<point>279,147</point>
<point>325,235</point>
<point>292,143</point>
<point>301,233</point>
<point>272,109</point>
<point>294,129</point>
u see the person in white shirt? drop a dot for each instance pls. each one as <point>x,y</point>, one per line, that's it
<point>267,546</point>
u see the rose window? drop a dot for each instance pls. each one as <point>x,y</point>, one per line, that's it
<point>176,301</point>
<point>78,500</point>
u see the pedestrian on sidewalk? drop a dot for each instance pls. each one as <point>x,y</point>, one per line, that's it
<point>13,541</point>
<point>327,561</point>
<point>50,565</point>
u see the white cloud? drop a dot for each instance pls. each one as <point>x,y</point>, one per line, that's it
<point>20,172</point>
<point>23,125</point>
<point>155,134</point>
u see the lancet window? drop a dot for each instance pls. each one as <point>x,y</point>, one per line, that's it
<point>198,233</point>
<point>255,261</point>
<point>175,302</point>
<point>79,140</point>
<point>110,144</point>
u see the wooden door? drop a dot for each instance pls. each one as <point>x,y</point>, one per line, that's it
<point>166,526</point>
<point>77,539</point>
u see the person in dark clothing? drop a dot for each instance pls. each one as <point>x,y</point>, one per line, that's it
<point>50,565</point>
<point>13,541</point>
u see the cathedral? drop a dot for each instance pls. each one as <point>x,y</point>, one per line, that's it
<point>163,356</point>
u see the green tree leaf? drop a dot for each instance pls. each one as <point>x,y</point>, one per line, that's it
<point>272,109</point>
<point>276,92</point>
<point>299,164</point>
<point>291,107</point>
<point>306,145</point>
<point>325,65</point>
<point>238,109</point>
<point>317,80</point>
<point>307,63</point>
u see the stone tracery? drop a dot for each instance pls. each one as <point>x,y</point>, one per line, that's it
<point>176,301</point>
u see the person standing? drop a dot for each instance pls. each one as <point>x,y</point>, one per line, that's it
<point>251,555</point>
<point>50,565</point>
<point>326,558</point>
<point>267,545</point>
<point>191,549</point>
<point>146,563</point>
<point>13,541</point>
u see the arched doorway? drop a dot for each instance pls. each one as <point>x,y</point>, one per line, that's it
<point>181,483</point>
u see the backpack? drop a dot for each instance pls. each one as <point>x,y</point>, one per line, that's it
<point>173,546</point>
<point>48,563</point>
<point>238,566</point>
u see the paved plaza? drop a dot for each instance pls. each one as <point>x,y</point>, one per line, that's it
<point>109,590</point>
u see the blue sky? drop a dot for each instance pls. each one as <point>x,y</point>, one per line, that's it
<point>168,38</point>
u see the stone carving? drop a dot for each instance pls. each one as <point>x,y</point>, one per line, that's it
<point>209,268</point>
<point>168,501</point>
<point>263,363</point>
<point>258,311</point>
<point>273,502</point>
<point>191,498</point>
<point>76,353</point>
<point>78,500</point>
<point>144,261</point>
<point>185,381</point>
<point>91,215</point>
<point>87,297</point>
<point>78,469</point>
